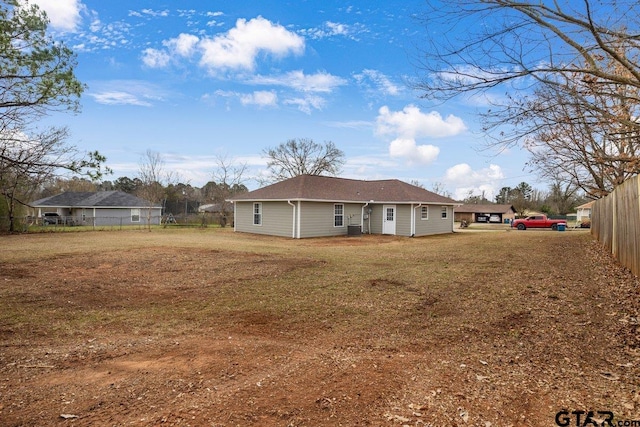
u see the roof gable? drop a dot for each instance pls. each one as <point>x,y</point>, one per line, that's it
<point>587,205</point>
<point>73,199</point>
<point>325,188</point>
<point>486,208</point>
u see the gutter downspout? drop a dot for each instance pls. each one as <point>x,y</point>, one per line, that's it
<point>235,205</point>
<point>293,225</point>
<point>362,218</point>
<point>413,219</point>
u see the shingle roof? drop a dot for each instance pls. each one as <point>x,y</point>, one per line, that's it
<point>474,208</point>
<point>71,199</point>
<point>325,188</point>
<point>587,205</point>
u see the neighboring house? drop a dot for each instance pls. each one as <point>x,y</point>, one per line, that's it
<point>485,213</point>
<point>210,208</point>
<point>99,208</point>
<point>583,212</point>
<point>218,210</point>
<point>316,206</point>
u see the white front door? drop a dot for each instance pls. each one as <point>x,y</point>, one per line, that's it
<point>389,219</point>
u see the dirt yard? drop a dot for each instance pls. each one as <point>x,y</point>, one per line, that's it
<point>212,328</point>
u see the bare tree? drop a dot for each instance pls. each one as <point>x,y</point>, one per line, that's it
<point>229,179</point>
<point>153,180</point>
<point>557,62</point>
<point>303,156</point>
<point>573,141</point>
<point>439,188</point>
<point>481,44</point>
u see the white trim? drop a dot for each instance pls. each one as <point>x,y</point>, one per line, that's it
<point>138,215</point>
<point>384,218</point>
<point>446,211</point>
<point>253,213</point>
<point>299,220</point>
<point>427,218</point>
<point>335,215</point>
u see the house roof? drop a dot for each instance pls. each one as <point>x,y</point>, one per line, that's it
<point>93,199</point>
<point>212,207</point>
<point>587,205</point>
<point>332,189</point>
<point>486,209</point>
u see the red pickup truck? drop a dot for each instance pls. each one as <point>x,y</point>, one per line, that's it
<point>538,221</point>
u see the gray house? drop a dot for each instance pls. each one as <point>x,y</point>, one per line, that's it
<point>97,208</point>
<point>316,206</point>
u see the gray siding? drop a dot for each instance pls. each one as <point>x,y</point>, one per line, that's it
<point>403,220</point>
<point>317,219</point>
<point>376,219</point>
<point>115,216</point>
<point>277,218</point>
<point>435,224</point>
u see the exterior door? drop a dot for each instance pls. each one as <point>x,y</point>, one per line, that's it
<point>389,219</point>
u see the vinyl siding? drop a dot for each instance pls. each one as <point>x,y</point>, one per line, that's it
<point>119,216</point>
<point>317,219</point>
<point>403,220</point>
<point>277,218</point>
<point>435,224</point>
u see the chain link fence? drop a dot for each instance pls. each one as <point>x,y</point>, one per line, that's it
<point>51,222</point>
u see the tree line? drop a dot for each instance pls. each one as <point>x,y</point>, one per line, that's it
<point>568,74</point>
<point>559,199</point>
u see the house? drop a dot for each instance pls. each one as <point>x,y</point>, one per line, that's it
<point>583,212</point>
<point>98,208</point>
<point>316,206</point>
<point>485,213</point>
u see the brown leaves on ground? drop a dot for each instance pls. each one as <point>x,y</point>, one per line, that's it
<point>215,328</point>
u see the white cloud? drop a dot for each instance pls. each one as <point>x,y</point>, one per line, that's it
<point>183,45</point>
<point>149,12</point>
<point>413,123</point>
<point>238,48</point>
<point>319,82</point>
<point>307,104</point>
<point>64,15</point>
<point>119,98</point>
<point>126,92</point>
<point>332,29</point>
<point>377,81</point>
<point>409,124</point>
<point>467,181</point>
<point>260,98</point>
<point>412,152</point>
<point>154,58</point>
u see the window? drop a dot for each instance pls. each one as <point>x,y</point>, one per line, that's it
<point>444,213</point>
<point>135,215</point>
<point>424,213</point>
<point>257,214</point>
<point>338,215</point>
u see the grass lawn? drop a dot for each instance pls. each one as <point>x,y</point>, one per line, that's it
<point>211,327</point>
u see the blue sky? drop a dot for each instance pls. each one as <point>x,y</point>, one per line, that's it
<point>197,80</point>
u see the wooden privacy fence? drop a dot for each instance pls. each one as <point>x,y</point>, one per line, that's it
<point>615,222</point>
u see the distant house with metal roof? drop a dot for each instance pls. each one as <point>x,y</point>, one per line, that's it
<point>99,208</point>
<point>316,206</point>
<point>485,213</point>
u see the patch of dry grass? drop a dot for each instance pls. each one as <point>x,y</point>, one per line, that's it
<point>532,312</point>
